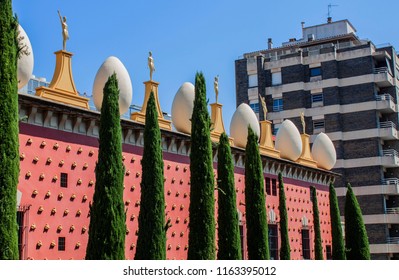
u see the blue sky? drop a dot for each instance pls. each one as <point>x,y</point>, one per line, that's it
<point>184,36</point>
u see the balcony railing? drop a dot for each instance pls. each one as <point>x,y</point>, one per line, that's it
<point>387,124</point>
<point>380,70</point>
<point>383,97</point>
<point>393,240</point>
<point>392,210</point>
<point>390,181</point>
<point>390,153</point>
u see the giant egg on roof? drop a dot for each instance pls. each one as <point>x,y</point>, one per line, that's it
<point>243,117</point>
<point>323,151</point>
<point>113,64</point>
<point>182,108</point>
<point>288,141</point>
<point>25,60</point>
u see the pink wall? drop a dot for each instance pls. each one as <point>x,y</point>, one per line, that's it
<point>84,151</point>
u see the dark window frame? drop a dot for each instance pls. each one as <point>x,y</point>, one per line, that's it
<point>61,243</point>
<point>64,180</point>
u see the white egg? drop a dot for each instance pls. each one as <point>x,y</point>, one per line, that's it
<point>111,65</point>
<point>323,151</point>
<point>288,141</point>
<point>243,117</point>
<point>25,60</point>
<point>182,108</point>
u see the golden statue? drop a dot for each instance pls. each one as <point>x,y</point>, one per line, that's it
<point>216,87</point>
<point>151,65</point>
<point>303,122</point>
<point>262,100</point>
<point>65,34</point>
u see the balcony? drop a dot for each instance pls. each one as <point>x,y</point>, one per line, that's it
<point>393,240</point>
<point>390,158</point>
<point>382,77</point>
<point>388,131</point>
<point>385,103</point>
<point>390,186</point>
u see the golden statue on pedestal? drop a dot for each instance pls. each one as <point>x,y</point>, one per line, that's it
<point>65,34</point>
<point>262,100</point>
<point>303,122</point>
<point>151,65</point>
<point>216,87</point>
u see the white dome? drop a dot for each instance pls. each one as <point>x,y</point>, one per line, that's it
<point>243,117</point>
<point>182,108</point>
<point>25,61</point>
<point>323,151</point>
<point>289,141</point>
<point>111,65</point>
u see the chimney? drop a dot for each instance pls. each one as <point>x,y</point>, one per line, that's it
<point>269,43</point>
<point>303,24</point>
<point>329,20</point>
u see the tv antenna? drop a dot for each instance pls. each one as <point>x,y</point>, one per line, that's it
<point>330,8</point>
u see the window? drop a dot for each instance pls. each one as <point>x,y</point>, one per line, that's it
<point>318,97</point>
<point>255,107</point>
<point>277,105</point>
<point>276,78</point>
<point>275,128</point>
<point>316,71</point>
<point>268,186</point>
<point>21,227</point>
<point>61,243</point>
<point>305,244</point>
<point>318,124</point>
<point>274,187</point>
<point>328,252</point>
<point>242,240</point>
<point>271,186</point>
<point>64,180</point>
<point>253,80</point>
<point>273,242</point>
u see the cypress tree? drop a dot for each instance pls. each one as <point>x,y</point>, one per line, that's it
<point>201,239</point>
<point>318,247</point>
<point>107,214</point>
<point>356,240</point>
<point>285,250</point>
<point>228,231</point>
<point>9,144</point>
<point>338,246</point>
<point>255,208</point>
<point>151,241</point>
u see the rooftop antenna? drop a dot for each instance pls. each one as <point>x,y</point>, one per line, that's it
<point>329,18</point>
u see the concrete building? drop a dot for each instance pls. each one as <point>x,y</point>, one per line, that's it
<point>348,88</point>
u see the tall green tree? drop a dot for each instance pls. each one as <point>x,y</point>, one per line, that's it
<point>356,240</point>
<point>201,239</point>
<point>318,247</point>
<point>229,240</point>
<point>285,250</point>
<point>107,214</point>
<point>151,241</point>
<point>338,245</point>
<point>255,208</point>
<point>9,144</point>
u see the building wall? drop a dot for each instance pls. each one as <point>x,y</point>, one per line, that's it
<point>75,153</point>
<point>353,74</point>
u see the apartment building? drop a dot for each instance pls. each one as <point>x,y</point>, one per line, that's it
<point>346,87</point>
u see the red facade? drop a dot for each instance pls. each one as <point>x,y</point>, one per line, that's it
<point>54,207</point>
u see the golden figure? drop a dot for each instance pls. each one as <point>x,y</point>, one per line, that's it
<point>151,65</point>
<point>262,100</point>
<point>65,34</point>
<point>216,87</point>
<point>303,122</point>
